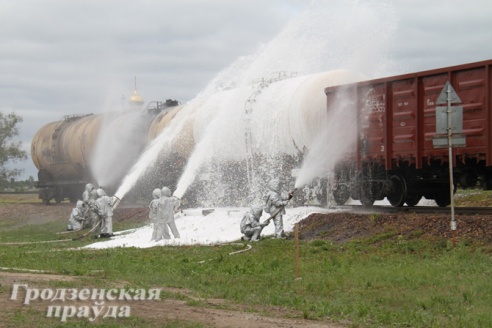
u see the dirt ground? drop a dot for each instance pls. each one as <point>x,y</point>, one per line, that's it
<point>212,314</point>
<point>342,227</point>
<point>334,227</point>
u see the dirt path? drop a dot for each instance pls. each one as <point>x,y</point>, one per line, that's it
<point>14,215</point>
<point>210,312</point>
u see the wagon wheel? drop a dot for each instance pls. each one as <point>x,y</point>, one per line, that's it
<point>366,198</point>
<point>341,194</point>
<point>45,195</point>
<point>443,199</point>
<point>468,179</point>
<point>486,184</point>
<point>46,200</point>
<point>398,192</point>
<point>58,194</point>
<point>412,199</point>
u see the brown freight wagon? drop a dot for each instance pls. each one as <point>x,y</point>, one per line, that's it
<point>393,151</point>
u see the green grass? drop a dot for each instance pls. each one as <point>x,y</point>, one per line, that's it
<point>381,281</point>
<point>397,283</point>
<point>49,231</point>
<point>473,197</point>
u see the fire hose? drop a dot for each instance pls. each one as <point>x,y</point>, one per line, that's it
<point>88,232</point>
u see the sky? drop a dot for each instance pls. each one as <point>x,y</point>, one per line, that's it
<point>62,57</point>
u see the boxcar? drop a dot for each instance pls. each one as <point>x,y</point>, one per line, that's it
<point>397,153</point>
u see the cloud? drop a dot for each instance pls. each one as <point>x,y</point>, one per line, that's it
<point>62,57</point>
<point>59,57</point>
<point>438,34</point>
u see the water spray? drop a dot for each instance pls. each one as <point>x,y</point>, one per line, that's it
<point>332,44</point>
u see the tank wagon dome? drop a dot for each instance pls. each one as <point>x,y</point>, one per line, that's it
<point>136,100</point>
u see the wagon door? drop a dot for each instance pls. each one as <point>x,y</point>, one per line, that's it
<point>404,116</point>
<point>373,125</point>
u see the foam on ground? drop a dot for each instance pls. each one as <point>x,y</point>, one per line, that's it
<point>221,226</point>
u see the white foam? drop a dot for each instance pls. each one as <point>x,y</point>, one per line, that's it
<point>385,202</point>
<point>221,226</point>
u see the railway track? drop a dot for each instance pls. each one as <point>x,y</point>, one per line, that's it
<point>416,209</point>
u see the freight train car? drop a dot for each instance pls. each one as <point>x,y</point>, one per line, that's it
<point>62,161</point>
<point>394,153</point>
<point>66,152</point>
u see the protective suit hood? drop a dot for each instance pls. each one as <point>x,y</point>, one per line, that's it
<point>100,192</point>
<point>257,210</point>
<point>274,185</point>
<point>80,204</point>
<point>94,194</point>
<point>166,192</point>
<point>156,193</point>
<point>89,187</point>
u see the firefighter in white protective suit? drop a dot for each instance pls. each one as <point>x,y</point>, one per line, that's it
<point>166,208</point>
<point>250,224</point>
<point>87,193</point>
<point>275,206</point>
<point>160,229</point>
<point>104,208</point>
<point>77,219</point>
<point>89,197</point>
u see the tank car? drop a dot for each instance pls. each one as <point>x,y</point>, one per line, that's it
<point>64,151</point>
<point>393,153</point>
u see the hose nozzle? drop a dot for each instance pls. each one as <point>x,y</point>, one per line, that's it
<point>115,201</point>
<point>291,193</point>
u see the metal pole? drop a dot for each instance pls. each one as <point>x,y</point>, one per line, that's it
<point>451,182</point>
<point>296,237</point>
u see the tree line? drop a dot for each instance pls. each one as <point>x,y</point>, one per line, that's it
<point>11,152</point>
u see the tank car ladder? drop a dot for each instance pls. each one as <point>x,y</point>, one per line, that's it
<point>248,111</point>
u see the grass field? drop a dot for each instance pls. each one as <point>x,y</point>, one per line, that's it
<point>373,282</point>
